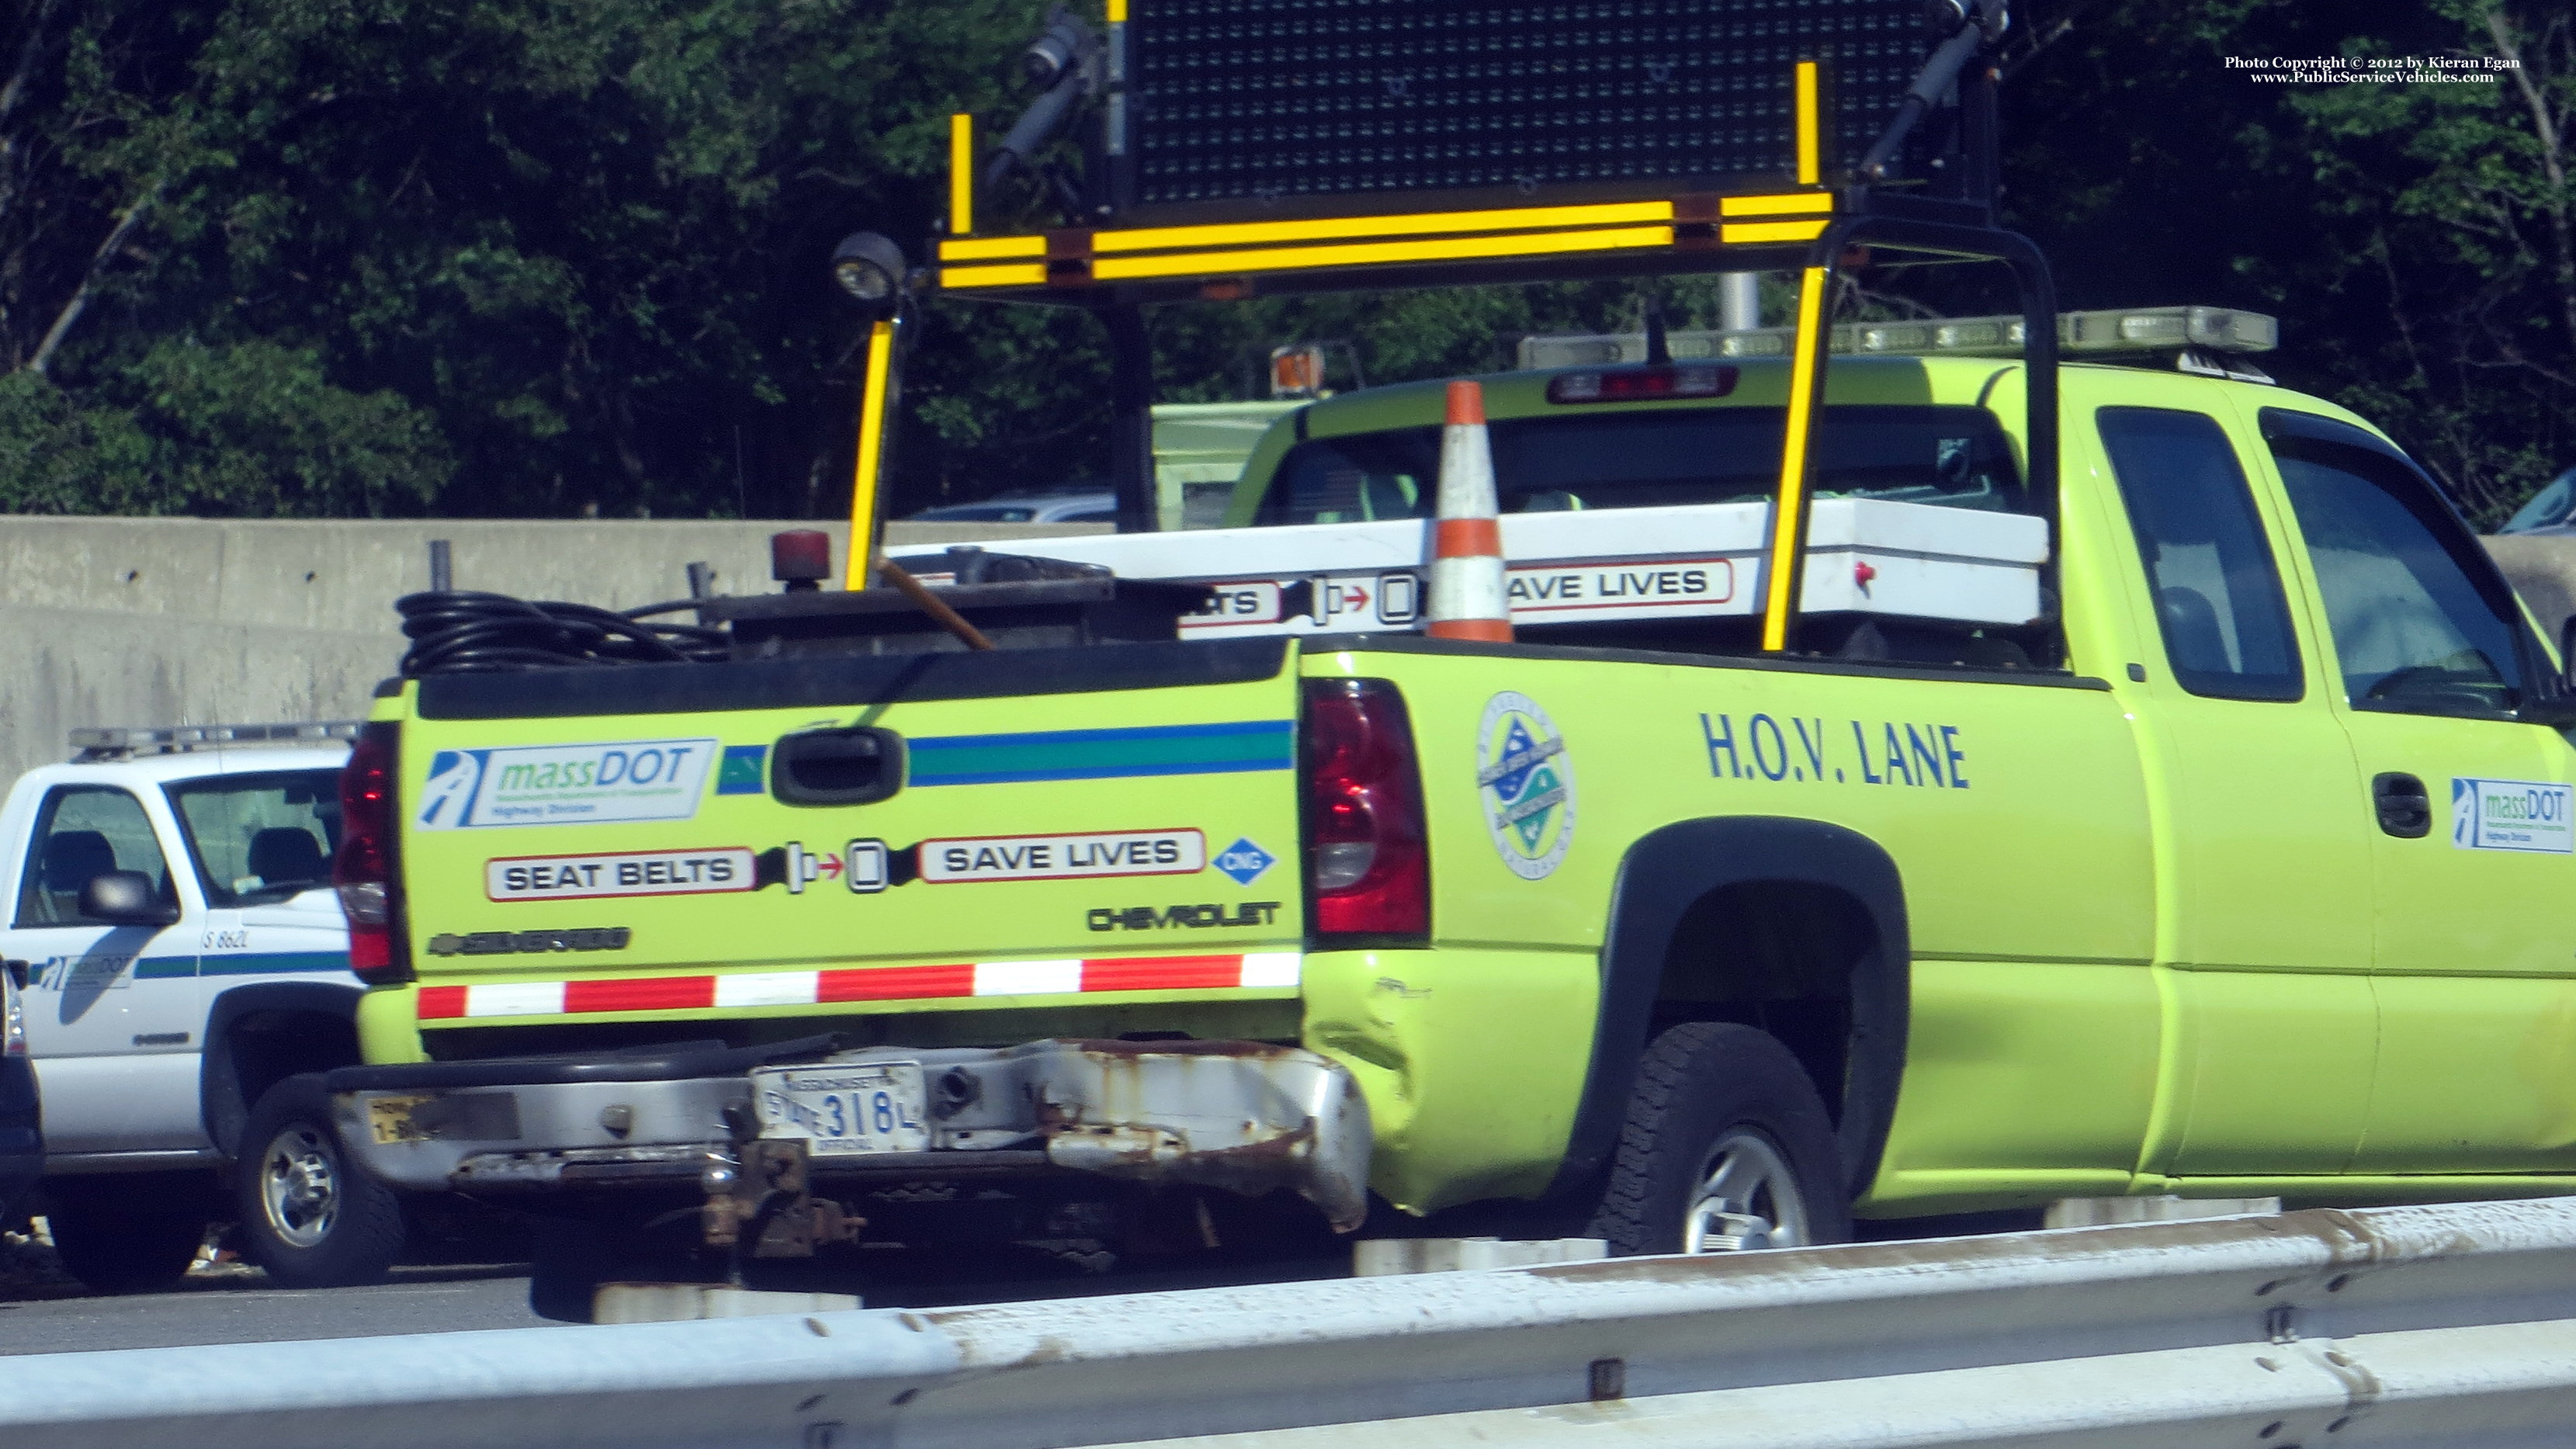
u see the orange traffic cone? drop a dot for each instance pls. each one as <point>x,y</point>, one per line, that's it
<point>1467,594</point>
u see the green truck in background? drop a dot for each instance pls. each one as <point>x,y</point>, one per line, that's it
<point>2154,892</point>
<point>1923,781</point>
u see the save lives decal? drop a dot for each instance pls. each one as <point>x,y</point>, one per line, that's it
<point>625,873</point>
<point>2524,815</point>
<point>1525,783</point>
<point>1063,857</point>
<point>565,784</point>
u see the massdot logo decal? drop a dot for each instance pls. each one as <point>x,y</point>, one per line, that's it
<point>1525,782</point>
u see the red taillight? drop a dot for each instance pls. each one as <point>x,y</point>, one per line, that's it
<point>1641,384</point>
<point>1366,860</point>
<point>363,869</point>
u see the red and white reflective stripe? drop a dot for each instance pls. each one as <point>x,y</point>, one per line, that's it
<point>1276,970</point>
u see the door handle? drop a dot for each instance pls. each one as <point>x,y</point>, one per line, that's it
<point>2405,811</point>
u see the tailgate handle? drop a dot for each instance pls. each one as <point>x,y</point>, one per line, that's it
<point>856,766</point>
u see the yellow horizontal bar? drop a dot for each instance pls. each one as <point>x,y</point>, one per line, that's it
<point>1804,201</point>
<point>1770,231</point>
<point>955,277</point>
<point>1364,254</point>
<point>991,248</point>
<point>1356,229</point>
<point>1254,233</point>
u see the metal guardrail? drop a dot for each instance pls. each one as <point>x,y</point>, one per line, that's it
<point>2393,1326</point>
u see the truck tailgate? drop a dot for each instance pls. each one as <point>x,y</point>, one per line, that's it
<point>793,833</point>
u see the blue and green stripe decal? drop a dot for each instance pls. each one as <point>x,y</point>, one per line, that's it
<point>244,963</point>
<point>1205,749</point>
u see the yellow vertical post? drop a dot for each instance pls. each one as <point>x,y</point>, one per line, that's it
<point>1789,517</point>
<point>961,174</point>
<point>872,429</point>
<point>1810,341</point>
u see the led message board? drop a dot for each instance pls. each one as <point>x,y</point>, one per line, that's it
<point>1238,106</point>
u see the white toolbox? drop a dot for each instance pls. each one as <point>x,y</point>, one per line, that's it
<point>1864,557</point>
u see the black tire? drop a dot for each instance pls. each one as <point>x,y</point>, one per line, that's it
<point>567,1261</point>
<point>1712,1093</point>
<point>128,1232</point>
<point>309,1214</point>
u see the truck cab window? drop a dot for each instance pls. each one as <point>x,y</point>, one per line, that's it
<point>1954,457</point>
<point>2417,629</point>
<point>260,838</point>
<point>2219,603</point>
<point>81,832</point>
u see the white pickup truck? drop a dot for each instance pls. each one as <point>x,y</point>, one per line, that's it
<point>183,966</point>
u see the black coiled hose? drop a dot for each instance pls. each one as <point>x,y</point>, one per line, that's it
<point>462,632</point>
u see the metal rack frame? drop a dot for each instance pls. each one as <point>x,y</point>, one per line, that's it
<point>1808,228</point>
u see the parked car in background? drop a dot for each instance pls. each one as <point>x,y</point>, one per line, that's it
<point>1099,507</point>
<point>186,970</point>
<point>2551,510</point>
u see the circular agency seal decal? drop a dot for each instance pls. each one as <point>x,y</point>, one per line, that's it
<point>1525,783</point>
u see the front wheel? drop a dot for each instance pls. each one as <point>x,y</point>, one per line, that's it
<point>309,1215</point>
<point>1727,1147</point>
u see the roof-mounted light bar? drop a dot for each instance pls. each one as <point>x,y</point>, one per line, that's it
<point>176,739</point>
<point>2131,330</point>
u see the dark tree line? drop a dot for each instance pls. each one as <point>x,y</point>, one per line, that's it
<point>553,257</point>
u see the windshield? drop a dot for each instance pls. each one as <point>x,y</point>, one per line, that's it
<point>1951,456</point>
<point>260,838</point>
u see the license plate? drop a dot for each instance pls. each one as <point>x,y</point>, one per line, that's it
<point>876,1107</point>
<point>389,1120</point>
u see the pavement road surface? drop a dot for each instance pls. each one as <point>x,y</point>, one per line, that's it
<point>42,1312</point>
<point>241,1307</point>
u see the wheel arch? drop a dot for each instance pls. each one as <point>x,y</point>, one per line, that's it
<point>259,1035</point>
<point>1693,867</point>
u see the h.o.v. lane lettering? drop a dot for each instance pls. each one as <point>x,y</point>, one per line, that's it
<point>1851,752</point>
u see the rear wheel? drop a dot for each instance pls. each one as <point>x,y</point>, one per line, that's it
<point>128,1232</point>
<point>1726,1147</point>
<point>308,1214</point>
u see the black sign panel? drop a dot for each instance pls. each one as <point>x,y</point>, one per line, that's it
<point>1244,106</point>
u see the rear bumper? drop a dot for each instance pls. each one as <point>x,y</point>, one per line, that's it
<point>1246,1117</point>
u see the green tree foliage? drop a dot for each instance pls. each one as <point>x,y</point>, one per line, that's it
<point>504,257</point>
<point>2414,238</point>
<point>548,257</point>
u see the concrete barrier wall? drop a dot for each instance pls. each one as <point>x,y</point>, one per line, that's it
<point>150,621</point>
<point>153,621</point>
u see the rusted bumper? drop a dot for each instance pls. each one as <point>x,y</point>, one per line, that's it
<point>1244,1117</point>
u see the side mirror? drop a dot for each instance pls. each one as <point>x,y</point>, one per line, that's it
<point>124,898</point>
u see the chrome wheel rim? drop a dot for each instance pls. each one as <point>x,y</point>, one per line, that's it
<point>1747,1198</point>
<point>299,1181</point>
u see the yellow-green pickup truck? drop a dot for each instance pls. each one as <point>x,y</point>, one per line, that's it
<point>2231,861</point>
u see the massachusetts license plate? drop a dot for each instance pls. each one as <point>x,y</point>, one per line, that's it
<point>876,1107</point>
